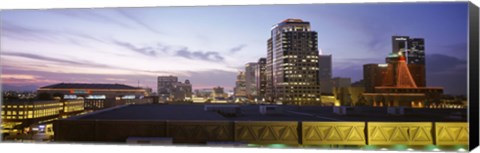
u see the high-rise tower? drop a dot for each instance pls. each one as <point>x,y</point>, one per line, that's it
<point>260,78</point>
<point>413,49</point>
<point>292,64</point>
<point>325,73</point>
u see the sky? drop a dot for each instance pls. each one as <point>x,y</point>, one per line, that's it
<point>210,45</point>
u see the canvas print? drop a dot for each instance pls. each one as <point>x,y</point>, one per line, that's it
<point>378,76</point>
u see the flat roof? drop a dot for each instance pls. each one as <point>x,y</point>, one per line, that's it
<point>87,86</point>
<point>194,112</point>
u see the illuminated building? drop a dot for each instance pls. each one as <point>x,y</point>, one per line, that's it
<point>19,116</point>
<point>165,87</point>
<point>261,78</point>
<point>219,95</point>
<point>97,96</point>
<point>373,75</point>
<point>169,89</point>
<point>240,90</point>
<point>414,51</point>
<point>292,64</point>
<point>182,91</point>
<point>325,73</point>
<point>398,87</point>
<point>250,81</point>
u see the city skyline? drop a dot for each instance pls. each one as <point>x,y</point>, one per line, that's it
<point>130,44</point>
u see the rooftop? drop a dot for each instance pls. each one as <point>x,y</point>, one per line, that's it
<point>88,86</point>
<point>287,113</point>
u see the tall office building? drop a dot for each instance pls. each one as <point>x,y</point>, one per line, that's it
<point>240,90</point>
<point>250,80</point>
<point>413,49</point>
<point>325,73</point>
<point>292,64</point>
<point>165,87</point>
<point>399,43</point>
<point>260,78</point>
<point>373,75</point>
<point>269,92</point>
<point>169,89</point>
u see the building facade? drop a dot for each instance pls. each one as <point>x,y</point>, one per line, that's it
<point>339,82</point>
<point>261,79</point>
<point>169,89</point>
<point>250,80</point>
<point>96,96</point>
<point>413,49</point>
<point>240,90</point>
<point>325,73</point>
<point>33,116</point>
<point>292,64</point>
<point>373,75</point>
<point>398,87</point>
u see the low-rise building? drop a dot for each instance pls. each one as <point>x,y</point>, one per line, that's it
<point>33,116</point>
<point>96,96</point>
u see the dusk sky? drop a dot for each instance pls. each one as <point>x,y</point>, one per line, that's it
<point>210,45</point>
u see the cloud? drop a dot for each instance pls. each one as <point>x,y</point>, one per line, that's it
<point>89,15</point>
<point>207,56</point>
<point>23,33</point>
<point>45,35</point>
<point>38,57</point>
<point>138,21</point>
<point>439,63</point>
<point>149,51</point>
<point>237,48</point>
<point>448,72</point>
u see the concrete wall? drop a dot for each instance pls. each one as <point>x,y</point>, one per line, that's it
<point>266,132</point>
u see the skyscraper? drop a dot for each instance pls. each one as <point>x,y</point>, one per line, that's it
<point>325,73</point>
<point>250,80</point>
<point>169,89</point>
<point>399,43</point>
<point>240,90</point>
<point>260,78</point>
<point>413,49</point>
<point>165,87</point>
<point>292,64</point>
